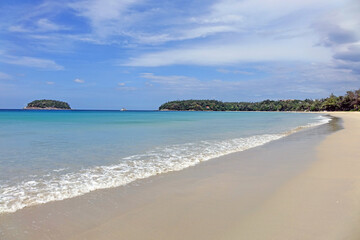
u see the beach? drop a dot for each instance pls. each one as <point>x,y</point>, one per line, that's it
<point>303,186</point>
<point>179,120</point>
<point>321,202</point>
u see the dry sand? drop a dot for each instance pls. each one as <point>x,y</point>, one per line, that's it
<point>323,202</point>
<point>287,189</point>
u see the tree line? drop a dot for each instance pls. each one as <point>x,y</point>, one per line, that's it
<point>349,102</point>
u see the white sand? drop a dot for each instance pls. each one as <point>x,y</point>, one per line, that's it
<point>321,203</point>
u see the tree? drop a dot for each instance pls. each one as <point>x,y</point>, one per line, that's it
<point>331,103</point>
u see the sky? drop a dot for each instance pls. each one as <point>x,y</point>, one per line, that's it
<point>138,54</point>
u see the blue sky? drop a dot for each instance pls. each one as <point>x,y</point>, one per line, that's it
<point>137,54</point>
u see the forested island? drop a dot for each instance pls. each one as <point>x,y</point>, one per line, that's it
<point>349,102</point>
<point>48,104</point>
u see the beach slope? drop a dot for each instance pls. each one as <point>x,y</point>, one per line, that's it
<point>321,203</point>
<point>304,186</point>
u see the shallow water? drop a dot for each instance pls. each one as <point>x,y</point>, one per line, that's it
<point>54,155</point>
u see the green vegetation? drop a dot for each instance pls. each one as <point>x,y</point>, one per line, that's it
<point>48,104</point>
<point>349,102</point>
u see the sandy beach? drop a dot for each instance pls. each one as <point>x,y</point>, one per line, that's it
<point>180,120</point>
<point>304,186</point>
<point>321,202</point>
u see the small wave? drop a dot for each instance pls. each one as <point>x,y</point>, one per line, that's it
<point>54,187</point>
<point>59,170</point>
<point>320,120</point>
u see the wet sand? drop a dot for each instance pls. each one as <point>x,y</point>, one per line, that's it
<point>303,186</point>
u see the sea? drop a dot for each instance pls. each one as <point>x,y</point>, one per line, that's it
<point>51,155</point>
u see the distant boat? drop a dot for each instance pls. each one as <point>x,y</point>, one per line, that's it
<point>123,109</point>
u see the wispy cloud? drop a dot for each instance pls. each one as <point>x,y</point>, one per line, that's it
<point>227,71</point>
<point>31,62</point>
<point>125,88</point>
<point>107,17</point>
<point>78,80</point>
<point>122,86</point>
<point>258,31</point>
<point>127,22</point>
<point>5,76</point>
<point>227,54</point>
<point>18,28</point>
<point>173,81</point>
<point>41,25</point>
<point>252,47</point>
<point>182,84</point>
<point>45,25</point>
<point>179,84</point>
<point>278,81</point>
<point>130,18</point>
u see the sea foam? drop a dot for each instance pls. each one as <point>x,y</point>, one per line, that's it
<point>54,187</point>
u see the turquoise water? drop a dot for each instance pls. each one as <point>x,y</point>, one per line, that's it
<point>54,155</point>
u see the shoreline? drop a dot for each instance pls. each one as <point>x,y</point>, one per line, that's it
<point>321,202</point>
<point>235,183</point>
<point>235,145</point>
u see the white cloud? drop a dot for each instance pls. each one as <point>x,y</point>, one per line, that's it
<point>184,84</point>
<point>50,83</point>
<point>18,28</point>
<point>221,18</point>
<point>280,81</point>
<point>124,88</point>
<point>170,80</point>
<point>107,17</point>
<point>31,62</point>
<point>174,82</point>
<point>226,71</point>
<point>181,34</point>
<point>262,10</point>
<point>249,31</point>
<point>78,80</point>
<point>340,31</point>
<point>41,25</point>
<point>215,33</point>
<point>45,25</point>
<point>102,10</point>
<point>130,18</point>
<point>227,54</point>
<point>5,76</point>
<point>127,22</point>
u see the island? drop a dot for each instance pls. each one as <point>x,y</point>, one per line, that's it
<point>349,102</point>
<point>45,104</point>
